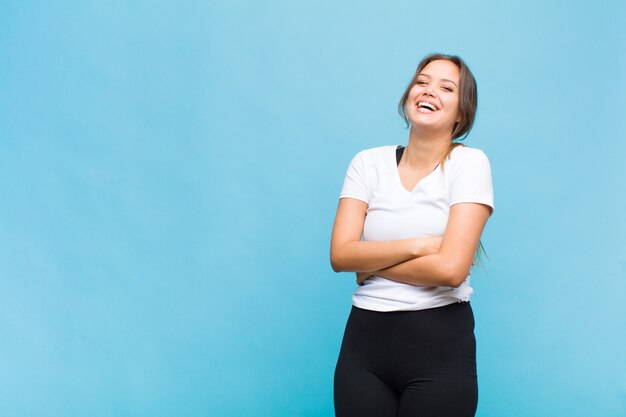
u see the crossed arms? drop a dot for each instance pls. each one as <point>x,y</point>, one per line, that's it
<point>430,261</point>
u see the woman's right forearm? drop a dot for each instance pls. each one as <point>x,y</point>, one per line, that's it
<point>364,256</point>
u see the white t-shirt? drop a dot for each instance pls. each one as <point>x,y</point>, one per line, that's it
<point>395,213</point>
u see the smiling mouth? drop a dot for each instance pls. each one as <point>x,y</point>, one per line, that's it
<point>423,107</point>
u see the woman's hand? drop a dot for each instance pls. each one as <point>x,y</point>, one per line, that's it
<point>428,245</point>
<point>423,246</point>
<point>361,277</point>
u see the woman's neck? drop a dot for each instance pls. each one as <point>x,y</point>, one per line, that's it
<point>425,149</point>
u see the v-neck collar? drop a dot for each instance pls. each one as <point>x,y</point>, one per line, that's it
<point>397,172</point>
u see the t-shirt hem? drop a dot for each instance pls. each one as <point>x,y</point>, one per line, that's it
<point>479,200</point>
<point>349,195</point>
<point>365,305</point>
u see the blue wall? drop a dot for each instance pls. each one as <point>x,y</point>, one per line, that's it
<point>169,176</point>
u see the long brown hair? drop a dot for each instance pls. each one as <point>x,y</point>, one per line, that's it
<point>468,103</point>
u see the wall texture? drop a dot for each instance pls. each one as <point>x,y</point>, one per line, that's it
<point>169,176</point>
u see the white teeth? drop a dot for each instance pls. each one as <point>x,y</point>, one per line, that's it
<point>427,105</point>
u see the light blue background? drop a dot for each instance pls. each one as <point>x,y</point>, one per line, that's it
<point>169,175</point>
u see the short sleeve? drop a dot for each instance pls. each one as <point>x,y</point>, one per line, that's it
<point>470,179</point>
<point>355,182</point>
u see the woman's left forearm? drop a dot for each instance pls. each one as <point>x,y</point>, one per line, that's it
<point>431,270</point>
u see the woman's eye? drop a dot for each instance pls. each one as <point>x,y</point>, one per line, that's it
<point>420,82</point>
<point>447,88</point>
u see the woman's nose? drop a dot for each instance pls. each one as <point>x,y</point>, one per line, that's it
<point>430,91</point>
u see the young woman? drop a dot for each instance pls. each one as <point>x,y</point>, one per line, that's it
<point>409,347</point>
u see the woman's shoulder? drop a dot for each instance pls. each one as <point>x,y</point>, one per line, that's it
<point>466,150</point>
<point>464,158</point>
<point>377,153</point>
<point>460,153</point>
<point>378,150</point>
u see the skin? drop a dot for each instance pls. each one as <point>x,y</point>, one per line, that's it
<point>435,261</point>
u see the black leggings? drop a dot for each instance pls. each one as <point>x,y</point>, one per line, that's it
<point>408,363</point>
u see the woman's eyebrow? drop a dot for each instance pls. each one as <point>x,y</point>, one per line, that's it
<point>443,79</point>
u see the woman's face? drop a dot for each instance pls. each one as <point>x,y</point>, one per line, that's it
<point>438,85</point>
